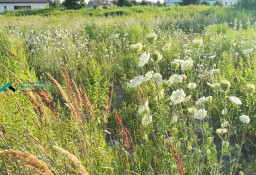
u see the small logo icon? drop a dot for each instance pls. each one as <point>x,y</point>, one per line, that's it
<point>8,85</point>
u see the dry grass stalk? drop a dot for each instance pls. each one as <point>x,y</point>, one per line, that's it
<point>110,97</point>
<point>28,159</point>
<point>65,97</point>
<point>78,100</point>
<point>75,161</point>
<point>86,101</point>
<point>68,84</point>
<point>48,101</point>
<point>141,94</point>
<point>126,136</point>
<point>180,166</point>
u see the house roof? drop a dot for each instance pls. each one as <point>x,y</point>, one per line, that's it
<point>23,1</point>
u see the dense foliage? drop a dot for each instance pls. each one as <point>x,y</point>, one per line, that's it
<point>140,90</point>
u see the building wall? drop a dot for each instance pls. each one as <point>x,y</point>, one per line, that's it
<point>10,6</point>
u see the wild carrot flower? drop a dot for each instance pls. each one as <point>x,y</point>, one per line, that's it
<point>200,101</point>
<point>178,96</point>
<point>175,79</point>
<point>144,58</point>
<point>225,85</point>
<point>136,81</point>
<point>143,107</point>
<point>192,85</point>
<point>187,64</point>
<point>244,119</point>
<point>221,131</point>
<point>146,120</point>
<point>200,114</point>
<point>151,37</point>
<point>235,100</point>
<point>148,75</point>
<point>136,47</point>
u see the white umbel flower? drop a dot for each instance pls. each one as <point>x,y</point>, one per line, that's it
<point>175,79</point>
<point>144,58</point>
<point>146,119</point>
<point>244,119</point>
<point>187,64</point>
<point>192,110</point>
<point>221,131</point>
<point>200,114</point>
<point>143,107</point>
<point>192,85</point>
<point>200,101</point>
<point>148,75</point>
<point>157,77</point>
<point>136,81</point>
<point>178,96</point>
<point>235,100</point>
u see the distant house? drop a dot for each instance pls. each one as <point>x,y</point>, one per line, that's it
<point>21,4</point>
<point>212,2</point>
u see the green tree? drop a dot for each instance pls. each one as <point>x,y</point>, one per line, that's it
<point>189,2</point>
<point>218,3</point>
<point>74,4</point>
<point>247,4</point>
<point>55,4</point>
<point>123,3</point>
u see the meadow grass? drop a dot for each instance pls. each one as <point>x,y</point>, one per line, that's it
<point>141,90</point>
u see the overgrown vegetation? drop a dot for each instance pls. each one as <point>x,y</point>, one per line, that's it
<point>140,90</point>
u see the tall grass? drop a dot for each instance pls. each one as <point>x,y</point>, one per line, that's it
<point>114,108</point>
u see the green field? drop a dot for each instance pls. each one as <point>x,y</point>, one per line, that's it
<point>123,91</point>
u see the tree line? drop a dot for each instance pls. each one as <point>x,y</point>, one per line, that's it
<point>78,4</point>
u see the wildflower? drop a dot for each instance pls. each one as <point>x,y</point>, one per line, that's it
<point>157,77</point>
<point>175,79</point>
<point>136,47</point>
<point>143,107</point>
<point>214,85</point>
<point>148,75</point>
<point>241,173</point>
<point>200,101</point>
<point>244,119</point>
<point>225,85</point>
<point>136,81</point>
<point>225,144</point>
<point>221,131</point>
<point>250,88</point>
<point>174,119</point>
<point>151,37</point>
<point>189,148</point>
<point>224,111</point>
<point>187,64</point>
<point>146,119</point>
<point>208,152</point>
<point>156,56</point>
<point>144,58</point>
<point>214,71</point>
<point>192,85</point>
<point>235,100</point>
<point>224,124</point>
<point>178,96</point>
<point>175,65</point>
<point>197,42</point>
<point>192,110</point>
<point>187,98</point>
<point>166,47</point>
<point>208,99</point>
<point>184,76</point>
<point>200,114</point>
